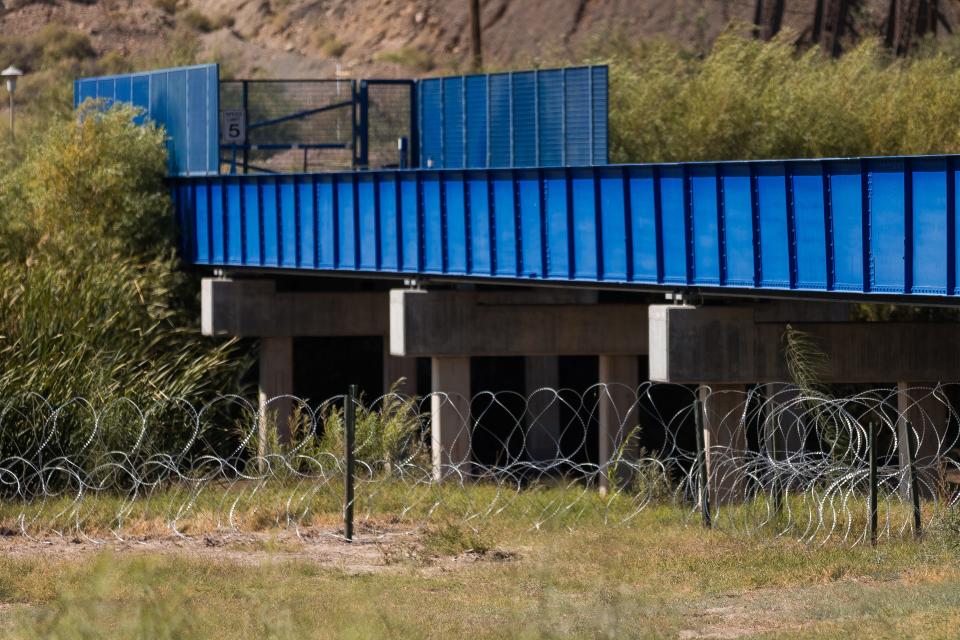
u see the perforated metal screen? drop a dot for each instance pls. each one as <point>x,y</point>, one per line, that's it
<point>542,118</point>
<point>184,100</point>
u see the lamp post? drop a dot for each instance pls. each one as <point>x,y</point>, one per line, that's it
<point>10,74</point>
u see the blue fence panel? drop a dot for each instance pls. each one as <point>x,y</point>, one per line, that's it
<point>184,100</point>
<point>549,118</point>
<point>881,227</point>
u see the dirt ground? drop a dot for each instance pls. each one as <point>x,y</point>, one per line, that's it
<point>369,553</point>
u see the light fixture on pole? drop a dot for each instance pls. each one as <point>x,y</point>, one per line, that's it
<point>10,74</point>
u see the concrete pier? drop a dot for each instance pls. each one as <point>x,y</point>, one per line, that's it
<point>450,421</point>
<point>275,389</point>
<point>542,379</point>
<point>923,416</point>
<point>619,379</point>
<point>724,440</point>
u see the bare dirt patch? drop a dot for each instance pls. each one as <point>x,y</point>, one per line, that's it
<point>369,553</point>
<point>739,615</point>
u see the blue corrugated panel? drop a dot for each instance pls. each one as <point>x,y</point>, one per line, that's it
<point>453,122</point>
<point>523,120</point>
<point>600,104</point>
<point>430,112</point>
<point>550,112</point>
<point>548,118</point>
<point>475,99</point>
<point>499,135</point>
<point>184,100</point>
<point>882,226</point>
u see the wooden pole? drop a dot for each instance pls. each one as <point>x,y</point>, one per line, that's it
<point>476,46</point>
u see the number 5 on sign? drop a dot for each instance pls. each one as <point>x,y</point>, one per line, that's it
<point>234,125</point>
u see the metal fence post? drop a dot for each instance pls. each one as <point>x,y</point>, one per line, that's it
<point>701,464</point>
<point>245,102</point>
<point>872,437</point>
<point>349,430</point>
<point>364,154</point>
<point>914,489</point>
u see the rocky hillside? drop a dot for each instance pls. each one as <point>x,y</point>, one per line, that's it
<point>299,38</point>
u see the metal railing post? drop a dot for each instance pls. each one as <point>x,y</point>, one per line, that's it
<point>349,430</point>
<point>245,98</point>
<point>364,155</point>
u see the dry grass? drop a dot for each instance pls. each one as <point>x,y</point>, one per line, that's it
<point>660,576</point>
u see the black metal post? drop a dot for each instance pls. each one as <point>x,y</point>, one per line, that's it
<point>364,155</point>
<point>414,125</point>
<point>245,91</point>
<point>701,464</point>
<point>872,437</point>
<point>914,488</point>
<point>349,430</point>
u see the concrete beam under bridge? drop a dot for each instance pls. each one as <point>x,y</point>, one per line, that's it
<point>255,309</point>
<point>722,346</point>
<point>452,326</point>
<point>729,345</point>
<point>450,323</point>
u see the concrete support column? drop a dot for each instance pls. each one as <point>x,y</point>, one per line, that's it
<point>396,368</point>
<point>783,430</point>
<point>450,415</point>
<point>923,405</point>
<point>276,380</point>
<point>619,376</point>
<point>724,439</point>
<point>542,379</point>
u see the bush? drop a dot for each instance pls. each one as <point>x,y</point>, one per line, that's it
<point>748,99</point>
<point>409,57</point>
<point>197,21</point>
<point>53,44</point>
<point>167,6</point>
<point>93,302</point>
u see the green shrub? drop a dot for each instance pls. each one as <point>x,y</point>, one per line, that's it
<point>53,44</point>
<point>93,302</point>
<point>409,57</point>
<point>167,6</point>
<point>750,99</point>
<point>327,43</point>
<point>387,434</point>
<point>197,21</point>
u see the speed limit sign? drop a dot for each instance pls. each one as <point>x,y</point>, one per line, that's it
<point>234,125</point>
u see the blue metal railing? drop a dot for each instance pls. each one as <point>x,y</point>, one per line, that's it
<point>879,226</point>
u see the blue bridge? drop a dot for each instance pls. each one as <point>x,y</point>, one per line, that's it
<point>884,226</point>
<point>880,227</point>
<point>503,179</point>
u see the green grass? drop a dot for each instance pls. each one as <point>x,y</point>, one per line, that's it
<point>655,578</point>
<point>582,573</point>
